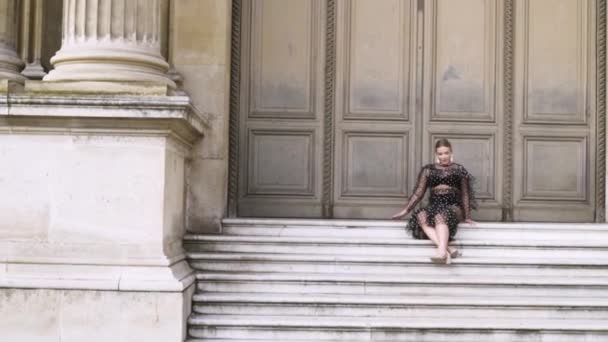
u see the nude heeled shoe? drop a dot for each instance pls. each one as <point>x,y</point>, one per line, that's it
<point>447,259</point>
<point>455,253</point>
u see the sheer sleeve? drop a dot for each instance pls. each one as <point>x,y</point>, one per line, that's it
<point>468,193</point>
<point>419,190</point>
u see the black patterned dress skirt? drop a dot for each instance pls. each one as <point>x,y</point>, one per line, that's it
<point>445,206</point>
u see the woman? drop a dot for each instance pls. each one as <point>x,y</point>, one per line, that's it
<point>451,201</point>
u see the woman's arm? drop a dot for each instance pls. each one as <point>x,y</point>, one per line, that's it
<point>418,193</point>
<point>466,190</point>
<point>466,204</point>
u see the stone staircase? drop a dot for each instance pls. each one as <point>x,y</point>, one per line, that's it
<point>339,280</point>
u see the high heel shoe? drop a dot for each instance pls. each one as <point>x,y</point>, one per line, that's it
<point>440,260</point>
<point>446,259</point>
<point>455,253</point>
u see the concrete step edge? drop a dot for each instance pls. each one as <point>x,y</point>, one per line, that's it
<point>337,223</point>
<point>393,300</point>
<point>353,322</point>
<point>372,278</point>
<point>375,259</point>
<point>269,240</point>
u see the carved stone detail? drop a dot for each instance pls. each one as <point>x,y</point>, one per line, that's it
<point>600,200</point>
<point>328,132</point>
<point>235,83</point>
<point>507,199</point>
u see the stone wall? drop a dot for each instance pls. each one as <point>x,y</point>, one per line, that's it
<point>95,160</point>
<point>200,50</point>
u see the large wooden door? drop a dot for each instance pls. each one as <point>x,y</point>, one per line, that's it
<point>554,128</point>
<point>340,103</point>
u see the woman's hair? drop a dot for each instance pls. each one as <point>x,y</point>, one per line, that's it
<point>443,143</point>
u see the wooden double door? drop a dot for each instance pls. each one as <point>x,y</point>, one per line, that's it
<point>338,104</point>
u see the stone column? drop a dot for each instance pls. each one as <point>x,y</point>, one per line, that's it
<point>111,40</point>
<point>10,64</point>
<point>31,38</point>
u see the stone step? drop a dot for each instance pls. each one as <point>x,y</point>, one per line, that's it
<point>244,340</point>
<point>487,231</point>
<point>413,284</point>
<point>348,223</point>
<point>258,262</point>
<point>583,308</point>
<point>401,247</point>
<point>394,329</point>
<point>357,280</point>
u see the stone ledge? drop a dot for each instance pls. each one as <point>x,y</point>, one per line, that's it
<point>10,86</point>
<point>175,278</point>
<point>107,254</point>
<point>130,114</point>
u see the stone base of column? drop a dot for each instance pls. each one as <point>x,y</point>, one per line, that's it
<point>92,217</point>
<point>98,88</point>
<point>34,71</point>
<point>109,64</point>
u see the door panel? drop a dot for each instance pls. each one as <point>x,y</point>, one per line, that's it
<point>461,59</point>
<point>282,73</point>
<point>375,64</point>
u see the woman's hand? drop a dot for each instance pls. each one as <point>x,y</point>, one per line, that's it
<point>471,222</point>
<point>399,214</point>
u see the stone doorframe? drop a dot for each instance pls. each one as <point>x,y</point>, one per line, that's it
<point>329,84</point>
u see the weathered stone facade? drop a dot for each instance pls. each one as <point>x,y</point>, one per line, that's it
<point>97,157</point>
<point>114,142</point>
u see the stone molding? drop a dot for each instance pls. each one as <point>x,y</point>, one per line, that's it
<point>600,200</point>
<point>235,95</point>
<point>144,115</point>
<point>329,99</point>
<point>508,57</point>
<point>174,278</point>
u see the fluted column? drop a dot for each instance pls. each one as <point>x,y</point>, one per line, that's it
<point>10,63</point>
<point>110,40</point>
<point>31,38</point>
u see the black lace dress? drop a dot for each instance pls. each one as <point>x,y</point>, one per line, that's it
<point>451,200</point>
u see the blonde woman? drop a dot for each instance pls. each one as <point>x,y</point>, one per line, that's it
<point>451,201</point>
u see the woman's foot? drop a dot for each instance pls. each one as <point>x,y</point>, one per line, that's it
<point>441,258</point>
<point>454,252</point>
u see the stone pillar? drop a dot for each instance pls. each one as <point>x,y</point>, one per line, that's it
<point>31,38</point>
<point>111,40</point>
<point>10,64</point>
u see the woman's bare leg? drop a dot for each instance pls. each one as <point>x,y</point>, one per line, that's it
<point>454,252</point>
<point>443,234</point>
<point>428,230</point>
